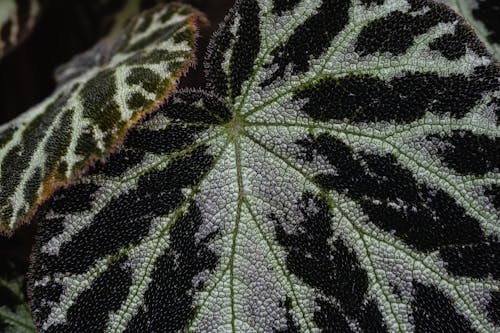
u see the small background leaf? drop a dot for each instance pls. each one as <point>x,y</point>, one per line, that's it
<point>15,315</point>
<point>17,320</point>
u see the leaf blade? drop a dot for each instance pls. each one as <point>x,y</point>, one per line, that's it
<point>337,200</point>
<point>87,116</point>
<point>15,317</point>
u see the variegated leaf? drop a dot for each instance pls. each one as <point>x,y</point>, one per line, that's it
<point>484,17</point>
<point>341,175</point>
<point>17,18</point>
<point>87,116</point>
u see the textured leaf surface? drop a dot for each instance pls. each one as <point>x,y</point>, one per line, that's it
<point>17,18</point>
<point>88,115</point>
<point>340,175</point>
<point>15,318</point>
<point>484,17</point>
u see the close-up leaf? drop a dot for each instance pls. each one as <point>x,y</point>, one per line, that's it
<point>17,19</point>
<point>339,173</point>
<point>484,17</point>
<point>86,117</point>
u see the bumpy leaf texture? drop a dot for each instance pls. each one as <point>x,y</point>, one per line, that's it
<point>88,114</point>
<point>484,17</point>
<point>17,18</point>
<point>340,174</point>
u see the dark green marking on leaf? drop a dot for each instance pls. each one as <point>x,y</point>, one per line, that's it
<point>8,183</point>
<point>145,24</point>
<point>31,189</point>
<point>87,145</point>
<point>6,135</point>
<point>19,157</point>
<point>98,95</point>
<point>145,41</point>
<point>197,107</point>
<point>52,293</point>
<point>482,17</point>
<point>137,100</point>
<point>155,56</point>
<point>57,145</point>
<point>184,35</point>
<point>62,169</point>
<point>167,15</point>
<point>145,78</point>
